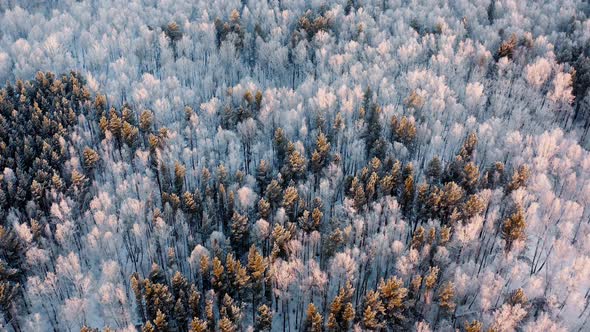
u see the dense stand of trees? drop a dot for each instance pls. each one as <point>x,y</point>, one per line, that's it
<point>292,166</point>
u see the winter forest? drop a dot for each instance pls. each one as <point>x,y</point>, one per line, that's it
<point>292,165</point>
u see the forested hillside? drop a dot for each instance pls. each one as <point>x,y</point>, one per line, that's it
<point>290,165</point>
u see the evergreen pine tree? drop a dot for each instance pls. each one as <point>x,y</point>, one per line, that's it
<point>263,319</point>
<point>341,310</point>
<point>513,227</point>
<point>473,326</point>
<point>198,325</point>
<point>393,296</point>
<point>434,170</point>
<point>239,232</point>
<point>446,297</point>
<point>91,157</point>
<point>373,311</point>
<point>148,327</point>
<point>314,321</point>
